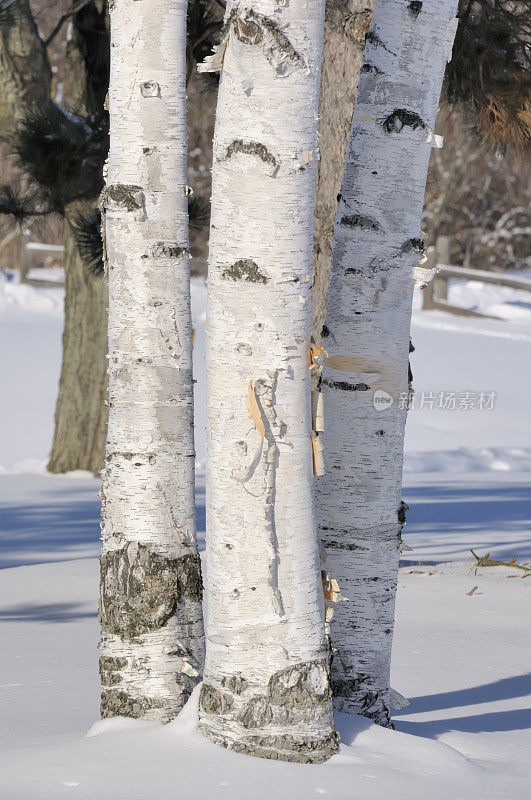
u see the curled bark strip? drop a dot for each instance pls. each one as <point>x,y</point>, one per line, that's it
<point>256,415</point>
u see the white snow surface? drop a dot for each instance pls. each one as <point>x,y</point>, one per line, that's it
<point>462,659</point>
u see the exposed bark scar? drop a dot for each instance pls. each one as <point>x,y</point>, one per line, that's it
<point>140,589</point>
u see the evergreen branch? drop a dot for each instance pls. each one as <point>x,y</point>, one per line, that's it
<point>63,19</point>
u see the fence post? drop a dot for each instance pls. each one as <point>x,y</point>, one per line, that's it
<point>442,256</point>
<point>427,292</point>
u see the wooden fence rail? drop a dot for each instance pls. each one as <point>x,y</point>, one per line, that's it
<point>435,293</point>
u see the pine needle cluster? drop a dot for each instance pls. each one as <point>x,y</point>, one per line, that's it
<point>490,71</point>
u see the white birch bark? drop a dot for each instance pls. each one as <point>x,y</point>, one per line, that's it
<point>377,241</point>
<point>150,604</point>
<point>266,683</point>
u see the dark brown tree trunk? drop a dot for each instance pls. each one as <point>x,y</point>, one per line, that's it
<point>346,23</point>
<point>80,413</point>
<point>24,67</point>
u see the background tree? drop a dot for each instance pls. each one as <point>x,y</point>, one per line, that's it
<point>24,65</point>
<point>80,412</point>
<point>60,153</point>
<point>266,682</point>
<point>61,149</point>
<point>377,244</point>
<point>150,600</point>
<point>476,193</point>
<point>346,24</point>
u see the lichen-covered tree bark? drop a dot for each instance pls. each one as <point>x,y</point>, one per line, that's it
<point>346,23</point>
<point>266,682</point>
<point>150,600</point>
<point>377,241</point>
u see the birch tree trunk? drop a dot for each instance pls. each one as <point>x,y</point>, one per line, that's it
<point>377,241</point>
<point>150,603</point>
<point>266,682</point>
<point>346,23</point>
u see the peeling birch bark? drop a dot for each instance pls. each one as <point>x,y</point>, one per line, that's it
<point>266,685</point>
<point>377,242</point>
<point>150,592</point>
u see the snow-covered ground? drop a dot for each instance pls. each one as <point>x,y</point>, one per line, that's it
<point>462,659</point>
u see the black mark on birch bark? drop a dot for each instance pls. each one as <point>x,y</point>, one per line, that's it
<point>335,544</point>
<point>401,512</point>
<point>400,118</point>
<point>413,246</point>
<point>248,31</point>
<point>415,8</point>
<point>245,270</point>
<point>345,386</point>
<point>253,28</point>
<point>371,68</point>
<point>150,89</point>
<point>373,38</point>
<point>250,148</point>
<point>140,590</point>
<point>168,250</point>
<point>361,221</point>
